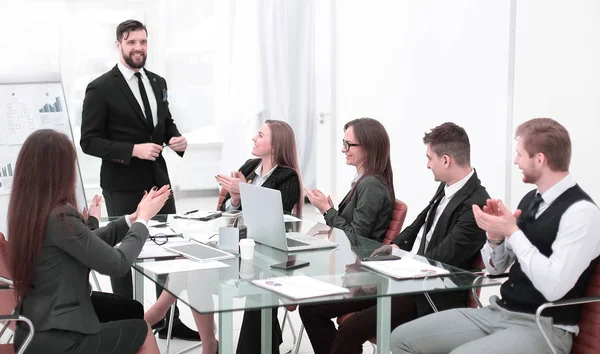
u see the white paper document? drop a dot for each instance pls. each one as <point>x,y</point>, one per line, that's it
<point>166,231</point>
<point>179,265</point>
<point>300,287</point>
<point>405,268</point>
<point>155,251</point>
<point>290,218</point>
<point>152,250</point>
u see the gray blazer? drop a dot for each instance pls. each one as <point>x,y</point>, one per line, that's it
<point>60,293</point>
<point>367,213</point>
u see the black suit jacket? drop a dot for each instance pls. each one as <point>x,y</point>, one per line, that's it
<point>456,239</point>
<point>367,212</point>
<point>112,122</point>
<point>283,179</point>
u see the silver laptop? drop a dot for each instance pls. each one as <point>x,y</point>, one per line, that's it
<point>263,215</point>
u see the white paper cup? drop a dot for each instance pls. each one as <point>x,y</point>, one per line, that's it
<point>246,269</point>
<point>247,248</point>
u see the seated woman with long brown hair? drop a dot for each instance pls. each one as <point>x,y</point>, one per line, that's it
<point>52,249</point>
<point>367,208</point>
<point>276,167</point>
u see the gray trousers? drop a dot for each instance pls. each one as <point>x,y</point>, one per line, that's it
<point>489,330</point>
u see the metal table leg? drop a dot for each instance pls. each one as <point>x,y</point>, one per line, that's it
<point>384,310</point>
<point>266,321</point>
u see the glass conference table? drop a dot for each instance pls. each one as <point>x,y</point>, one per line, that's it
<point>214,290</point>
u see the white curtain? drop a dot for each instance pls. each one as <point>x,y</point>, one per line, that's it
<point>287,60</point>
<point>238,98</point>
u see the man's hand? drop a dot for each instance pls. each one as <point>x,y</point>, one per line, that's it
<point>318,199</point>
<point>148,151</point>
<point>498,221</point>
<point>384,250</point>
<point>491,208</point>
<point>178,143</point>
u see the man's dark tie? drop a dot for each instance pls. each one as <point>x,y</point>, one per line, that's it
<point>429,221</point>
<point>147,109</point>
<point>531,211</point>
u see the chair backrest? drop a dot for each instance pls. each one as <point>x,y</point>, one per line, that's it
<point>7,297</point>
<point>588,340</point>
<point>222,196</point>
<point>476,266</point>
<point>398,216</point>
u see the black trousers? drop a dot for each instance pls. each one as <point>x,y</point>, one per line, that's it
<point>122,203</point>
<point>250,333</point>
<point>123,330</point>
<point>357,329</point>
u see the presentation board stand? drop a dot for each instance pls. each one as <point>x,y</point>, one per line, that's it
<point>26,105</point>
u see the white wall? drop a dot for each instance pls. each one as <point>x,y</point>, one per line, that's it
<point>557,75</point>
<point>410,64</point>
<point>416,64</point>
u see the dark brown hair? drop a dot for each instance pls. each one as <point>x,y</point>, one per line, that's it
<point>44,180</point>
<point>549,137</point>
<point>452,140</point>
<point>283,145</point>
<point>374,140</point>
<point>125,27</point>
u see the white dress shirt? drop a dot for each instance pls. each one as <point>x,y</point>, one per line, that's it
<point>575,246</point>
<point>449,192</point>
<point>132,81</point>
<point>143,222</point>
<point>259,180</point>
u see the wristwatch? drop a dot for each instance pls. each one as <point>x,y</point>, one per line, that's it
<point>495,242</point>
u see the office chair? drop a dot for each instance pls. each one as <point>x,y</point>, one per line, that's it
<point>8,303</point>
<point>398,216</point>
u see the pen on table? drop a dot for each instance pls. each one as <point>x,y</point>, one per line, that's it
<point>190,212</point>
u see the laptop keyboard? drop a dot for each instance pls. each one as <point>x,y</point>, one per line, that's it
<point>294,243</point>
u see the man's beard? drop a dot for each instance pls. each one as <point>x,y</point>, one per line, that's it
<point>132,64</point>
<point>532,177</point>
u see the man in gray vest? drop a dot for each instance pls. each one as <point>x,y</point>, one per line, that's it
<point>550,241</point>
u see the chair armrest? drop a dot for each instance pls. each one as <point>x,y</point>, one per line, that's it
<point>538,313</point>
<point>14,317</point>
<point>6,280</point>
<point>483,274</point>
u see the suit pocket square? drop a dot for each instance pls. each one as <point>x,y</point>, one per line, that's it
<point>164,95</point>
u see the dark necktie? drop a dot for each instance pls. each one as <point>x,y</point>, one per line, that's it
<point>531,211</point>
<point>429,221</point>
<point>147,109</point>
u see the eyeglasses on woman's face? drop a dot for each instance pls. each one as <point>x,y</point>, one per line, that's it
<point>347,145</point>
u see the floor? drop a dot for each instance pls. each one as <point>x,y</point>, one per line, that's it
<point>208,203</point>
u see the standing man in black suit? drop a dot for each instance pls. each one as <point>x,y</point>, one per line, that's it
<point>126,122</point>
<point>445,231</point>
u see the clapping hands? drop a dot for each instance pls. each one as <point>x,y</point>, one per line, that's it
<point>151,203</point>
<point>318,199</point>
<point>231,184</point>
<point>496,219</point>
<point>95,209</point>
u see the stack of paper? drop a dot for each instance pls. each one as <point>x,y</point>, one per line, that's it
<point>300,287</point>
<point>405,268</point>
<point>179,265</point>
